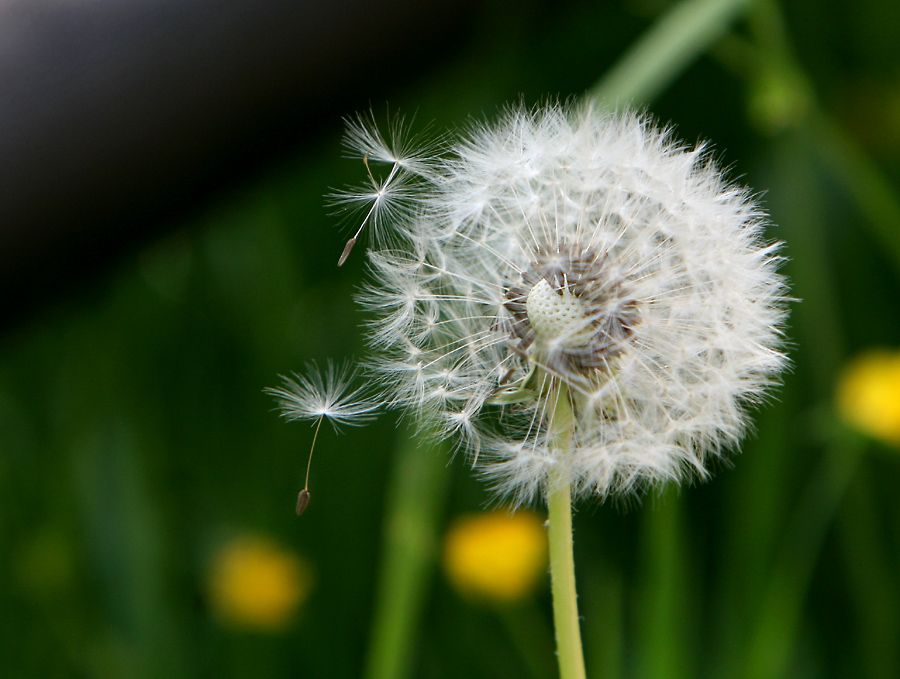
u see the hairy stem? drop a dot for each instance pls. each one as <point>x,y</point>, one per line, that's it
<point>562,563</point>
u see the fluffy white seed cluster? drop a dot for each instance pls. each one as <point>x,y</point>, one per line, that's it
<point>566,246</point>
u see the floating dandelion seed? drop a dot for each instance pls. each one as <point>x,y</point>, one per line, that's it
<point>391,198</point>
<point>314,396</point>
<point>566,263</point>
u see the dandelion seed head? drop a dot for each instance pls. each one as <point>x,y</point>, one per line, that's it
<point>564,245</point>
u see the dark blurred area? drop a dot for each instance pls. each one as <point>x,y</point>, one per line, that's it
<point>114,116</point>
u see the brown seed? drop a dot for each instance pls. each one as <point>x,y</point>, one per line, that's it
<point>302,501</point>
<point>346,253</point>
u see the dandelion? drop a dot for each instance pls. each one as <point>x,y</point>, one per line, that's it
<point>256,584</point>
<point>497,556</point>
<point>317,396</point>
<point>584,300</point>
<point>868,394</point>
<point>586,303</point>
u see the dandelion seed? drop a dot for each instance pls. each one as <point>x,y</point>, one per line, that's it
<point>303,495</point>
<point>391,197</point>
<point>315,396</point>
<point>569,251</point>
<point>328,395</point>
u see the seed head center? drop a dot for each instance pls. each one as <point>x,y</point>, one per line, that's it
<point>555,314</point>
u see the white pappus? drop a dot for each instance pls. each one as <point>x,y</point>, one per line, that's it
<point>317,396</point>
<point>568,246</point>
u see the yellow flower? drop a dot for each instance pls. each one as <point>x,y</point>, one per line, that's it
<point>254,583</point>
<point>868,394</point>
<point>497,556</point>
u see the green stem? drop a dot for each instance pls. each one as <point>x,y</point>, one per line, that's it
<point>562,562</point>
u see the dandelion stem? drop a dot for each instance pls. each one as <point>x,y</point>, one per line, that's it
<point>562,563</point>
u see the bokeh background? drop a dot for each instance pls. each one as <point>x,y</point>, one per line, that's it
<point>167,253</point>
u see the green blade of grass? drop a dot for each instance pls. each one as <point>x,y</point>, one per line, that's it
<point>415,503</point>
<point>674,41</point>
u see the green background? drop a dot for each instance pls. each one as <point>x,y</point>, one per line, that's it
<point>135,435</point>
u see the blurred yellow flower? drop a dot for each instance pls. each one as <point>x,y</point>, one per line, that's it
<point>868,394</point>
<point>496,556</point>
<point>254,583</point>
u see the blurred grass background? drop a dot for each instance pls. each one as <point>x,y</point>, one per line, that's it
<point>136,442</point>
